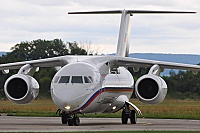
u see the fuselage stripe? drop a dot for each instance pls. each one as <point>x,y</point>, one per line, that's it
<point>102,90</point>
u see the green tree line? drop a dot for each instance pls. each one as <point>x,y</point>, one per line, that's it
<point>182,85</point>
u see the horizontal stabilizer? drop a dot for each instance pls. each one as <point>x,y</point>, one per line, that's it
<point>128,11</point>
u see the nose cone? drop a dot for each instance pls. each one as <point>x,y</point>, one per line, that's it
<point>64,97</point>
<point>72,84</point>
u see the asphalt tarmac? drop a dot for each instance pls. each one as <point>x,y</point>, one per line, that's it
<point>53,124</point>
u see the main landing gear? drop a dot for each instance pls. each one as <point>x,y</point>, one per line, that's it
<point>71,120</point>
<point>127,113</point>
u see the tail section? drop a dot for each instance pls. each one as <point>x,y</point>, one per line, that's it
<point>124,32</point>
<point>124,35</point>
<point>125,26</point>
<point>125,29</point>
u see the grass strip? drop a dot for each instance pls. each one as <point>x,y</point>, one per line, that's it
<point>168,109</point>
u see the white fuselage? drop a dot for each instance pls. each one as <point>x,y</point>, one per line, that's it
<point>85,88</point>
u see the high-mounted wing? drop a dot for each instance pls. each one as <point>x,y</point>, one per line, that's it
<point>49,62</point>
<point>135,62</point>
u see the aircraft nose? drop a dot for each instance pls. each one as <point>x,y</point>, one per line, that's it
<point>64,98</point>
<point>70,85</point>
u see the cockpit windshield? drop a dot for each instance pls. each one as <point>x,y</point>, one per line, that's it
<point>87,79</point>
<point>64,79</point>
<point>75,79</point>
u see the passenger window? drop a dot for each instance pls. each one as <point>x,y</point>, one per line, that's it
<point>87,80</point>
<point>64,79</point>
<point>77,79</point>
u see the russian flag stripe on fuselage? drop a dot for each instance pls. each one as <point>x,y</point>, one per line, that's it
<point>102,90</point>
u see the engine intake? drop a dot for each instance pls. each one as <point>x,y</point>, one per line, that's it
<point>21,89</point>
<point>151,89</point>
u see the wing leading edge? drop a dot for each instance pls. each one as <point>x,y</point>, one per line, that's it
<point>48,62</point>
<point>96,60</point>
<point>135,62</point>
<point>34,63</point>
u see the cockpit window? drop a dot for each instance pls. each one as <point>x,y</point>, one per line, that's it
<point>56,79</point>
<point>87,80</point>
<point>91,79</point>
<point>77,79</point>
<point>64,79</point>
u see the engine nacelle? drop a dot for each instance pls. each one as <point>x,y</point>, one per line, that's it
<point>151,89</point>
<point>21,89</point>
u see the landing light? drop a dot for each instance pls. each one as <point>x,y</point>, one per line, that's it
<point>67,107</point>
<point>114,107</point>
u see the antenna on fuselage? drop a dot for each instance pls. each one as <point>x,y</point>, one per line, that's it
<point>125,25</point>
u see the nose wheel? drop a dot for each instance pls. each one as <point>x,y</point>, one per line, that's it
<point>71,120</point>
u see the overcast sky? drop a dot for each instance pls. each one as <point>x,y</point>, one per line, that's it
<point>27,20</point>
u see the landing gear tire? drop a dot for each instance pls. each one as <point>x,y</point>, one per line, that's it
<point>76,121</point>
<point>128,113</point>
<point>133,117</point>
<point>70,122</point>
<point>124,117</point>
<point>64,118</point>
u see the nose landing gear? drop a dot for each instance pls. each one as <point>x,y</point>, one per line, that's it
<point>72,120</point>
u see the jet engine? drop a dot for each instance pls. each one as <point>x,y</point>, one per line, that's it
<point>150,89</point>
<point>21,89</point>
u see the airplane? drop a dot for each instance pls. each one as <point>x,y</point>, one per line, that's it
<point>95,84</point>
